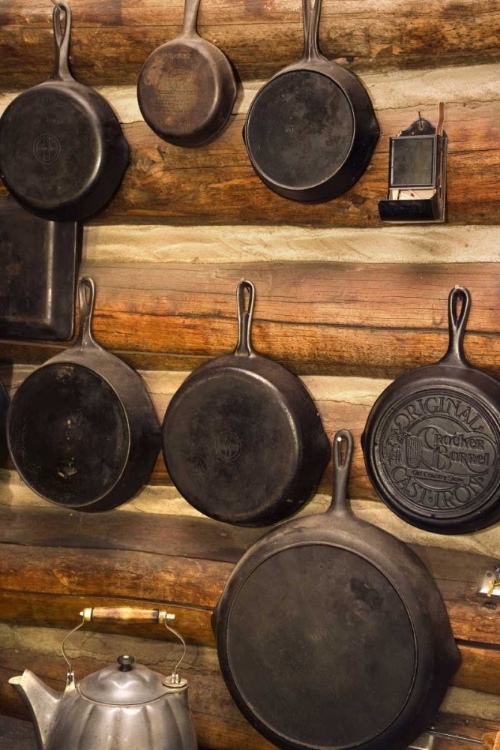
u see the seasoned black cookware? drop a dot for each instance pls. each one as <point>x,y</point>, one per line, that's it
<point>39,261</point>
<point>432,440</point>
<point>242,438</point>
<point>186,88</point>
<point>62,150</point>
<point>82,430</point>
<point>331,633</point>
<point>311,130</point>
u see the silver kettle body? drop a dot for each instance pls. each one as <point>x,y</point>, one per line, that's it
<point>125,706</point>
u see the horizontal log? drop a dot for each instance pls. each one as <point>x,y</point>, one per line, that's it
<point>217,185</point>
<point>58,553</point>
<point>315,318</point>
<point>129,243</point>
<point>111,41</point>
<point>479,670</point>
<point>16,734</point>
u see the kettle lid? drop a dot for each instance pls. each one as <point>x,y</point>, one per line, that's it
<point>126,683</point>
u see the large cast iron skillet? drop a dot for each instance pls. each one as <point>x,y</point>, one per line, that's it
<point>311,130</point>
<point>432,440</point>
<point>82,430</point>
<point>62,150</point>
<point>331,634</point>
<point>242,438</point>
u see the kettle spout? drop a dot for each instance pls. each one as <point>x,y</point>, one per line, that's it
<point>42,702</point>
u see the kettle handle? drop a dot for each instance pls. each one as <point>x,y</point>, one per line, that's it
<point>125,614</point>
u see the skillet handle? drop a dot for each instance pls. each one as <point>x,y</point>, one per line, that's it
<point>86,299</point>
<point>245,316</point>
<point>311,29</point>
<point>457,323</point>
<point>342,441</point>
<point>61,41</point>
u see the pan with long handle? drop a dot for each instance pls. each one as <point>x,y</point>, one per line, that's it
<point>62,150</point>
<point>242,438</point>
<point>82,430</point>
<point>331,633</point>
<point>311,130</point>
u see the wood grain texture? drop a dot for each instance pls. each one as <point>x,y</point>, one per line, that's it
<point>216,184</point>
<point>57,553</point>
<point>111,41</point>
<point>376,320</point>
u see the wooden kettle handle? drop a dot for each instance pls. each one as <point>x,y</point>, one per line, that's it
<point>491,741</point>
<point>125,614</point>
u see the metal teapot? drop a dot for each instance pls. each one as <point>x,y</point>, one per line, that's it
<point>124,706</point>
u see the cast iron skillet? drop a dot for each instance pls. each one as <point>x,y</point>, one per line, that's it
<point>186,88</point>
<point>82,430</point>
<point>62,150</point>
<point>242,439</point>
<point>432,440</point>
<point>311,131</point>
<point>331,633</point>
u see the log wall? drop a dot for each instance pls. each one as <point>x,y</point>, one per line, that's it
<point>342,301</point>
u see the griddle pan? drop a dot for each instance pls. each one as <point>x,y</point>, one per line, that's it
<point>39,261</point>
<point>331,634</point>
<point>311,130</point>
<point>432,439</point>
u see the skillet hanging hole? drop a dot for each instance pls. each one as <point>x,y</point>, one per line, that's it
<point>61,40</point>
<point>459,303</point>
<point>86,298</point>
<point>245,297</point>
<point>342,455</point>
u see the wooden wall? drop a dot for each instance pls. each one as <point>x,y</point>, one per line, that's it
<point>342,301</point>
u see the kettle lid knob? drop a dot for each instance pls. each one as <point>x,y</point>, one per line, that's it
<point>126,662</point>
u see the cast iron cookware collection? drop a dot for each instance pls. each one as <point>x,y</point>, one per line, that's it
<point>330,632</point>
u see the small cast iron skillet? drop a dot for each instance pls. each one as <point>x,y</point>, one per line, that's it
<point>432,440</point>
<point>62,150</point>
<point>311,130</point>
<point>81,429</point>
<point>331,633</point>
<point>242,439</point>
<point>186,88</point>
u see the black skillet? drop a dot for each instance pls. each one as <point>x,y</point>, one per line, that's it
<point>81,429</point>
<point>311,130</point>
<point>432,439</point>
<point>331,634</point>
<point>242,439</point>
<point>62,150</point>
<point>186,88</point>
